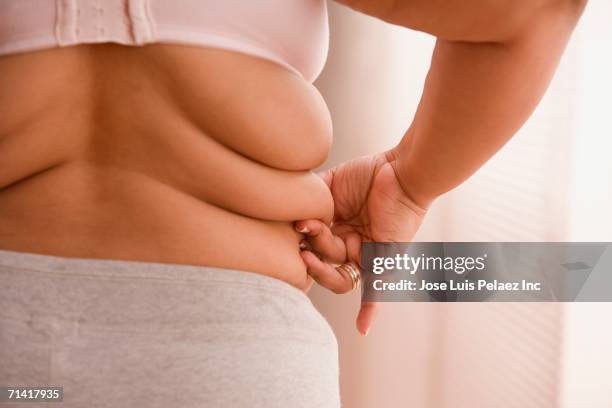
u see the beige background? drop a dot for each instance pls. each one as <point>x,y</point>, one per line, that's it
<point>551,182</point>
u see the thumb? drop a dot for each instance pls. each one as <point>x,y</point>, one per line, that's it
<point>366,317</point>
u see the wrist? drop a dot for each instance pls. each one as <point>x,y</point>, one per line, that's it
<point>412,191</point>
<point>410,180</point>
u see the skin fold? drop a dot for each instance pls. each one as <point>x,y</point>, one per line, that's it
<point>162,153</point>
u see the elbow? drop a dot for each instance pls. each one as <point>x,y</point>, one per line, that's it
<point>483,21</point>
<point>561,15</point>
<point>524,18</point>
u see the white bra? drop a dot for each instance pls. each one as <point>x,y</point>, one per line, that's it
<point>292,33</point>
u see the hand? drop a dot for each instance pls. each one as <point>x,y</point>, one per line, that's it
<point>370,204</point>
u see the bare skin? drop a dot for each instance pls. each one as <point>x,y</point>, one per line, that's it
<point>162,153</point>
<point>491,66</point>
<point>198,156</point>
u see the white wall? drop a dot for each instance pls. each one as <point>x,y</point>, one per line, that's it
<point>587,351</point>
<point>551,182</point>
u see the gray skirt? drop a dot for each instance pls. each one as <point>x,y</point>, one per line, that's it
<point>139,334</point>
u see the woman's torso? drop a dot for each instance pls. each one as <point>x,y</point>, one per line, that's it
<point>162,153</point>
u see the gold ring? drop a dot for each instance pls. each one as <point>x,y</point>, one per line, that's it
<point>353,272</point>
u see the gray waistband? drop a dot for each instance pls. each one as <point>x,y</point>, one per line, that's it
<point>112,268</point>
<point>145,296</point>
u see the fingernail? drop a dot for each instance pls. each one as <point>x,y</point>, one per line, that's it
<point>304,230</point>
<point>303,245</point>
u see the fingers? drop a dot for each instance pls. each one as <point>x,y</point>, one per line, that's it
<point>325,274</point>
<point>366,317</point>
<point>352,241</point>
<point>333,248</point>
<point>368,310</point>
<point>306,285</point>
<point>322,241</point>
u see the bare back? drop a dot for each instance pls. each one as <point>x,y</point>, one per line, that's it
<point>162,153</point>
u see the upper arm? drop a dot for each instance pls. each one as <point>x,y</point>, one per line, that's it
<point>467,20</point>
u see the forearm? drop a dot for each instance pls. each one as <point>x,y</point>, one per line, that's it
<point>476,96</point>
